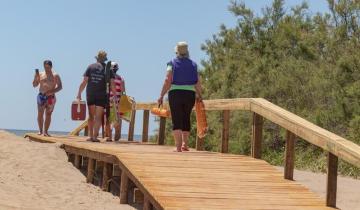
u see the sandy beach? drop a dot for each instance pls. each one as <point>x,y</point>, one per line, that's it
<point>37,176</point>
<point>348,192</point>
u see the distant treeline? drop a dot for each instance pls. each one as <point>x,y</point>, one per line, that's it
<point>306,63</point>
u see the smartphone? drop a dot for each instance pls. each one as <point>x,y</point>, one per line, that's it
<point>37,71</point>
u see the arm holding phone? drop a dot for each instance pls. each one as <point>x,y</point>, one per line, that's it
<point>36,80</point>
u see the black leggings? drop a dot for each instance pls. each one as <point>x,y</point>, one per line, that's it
<point>181,104</point>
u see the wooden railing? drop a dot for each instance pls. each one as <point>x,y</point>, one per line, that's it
<point>336,146</point>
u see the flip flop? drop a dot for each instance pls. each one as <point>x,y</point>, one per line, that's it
<point>108,140</point>
<point>47,135</point>
<point>89,139</point>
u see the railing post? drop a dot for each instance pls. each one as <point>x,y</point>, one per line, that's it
<point>124,188</point>
<point>120,128</point>
<point>145,133</point>
<point>257,128</point>
<point>331,180</point>
<point>77,161</point>
<point>225,132</point>
<point>161,138</point>
<point>107,175</point>
<point>199,143</point>
<point>132,126</point>
<point>86,131</point>
<point>90,170</point>
<point>289,155</point>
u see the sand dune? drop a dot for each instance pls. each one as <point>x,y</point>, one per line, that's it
<point>36,176</point>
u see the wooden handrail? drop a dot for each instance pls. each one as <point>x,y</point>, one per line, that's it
<point>339,146</point>
<point>342,148</point>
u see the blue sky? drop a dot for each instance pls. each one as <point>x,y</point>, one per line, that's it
<point>140,35</point>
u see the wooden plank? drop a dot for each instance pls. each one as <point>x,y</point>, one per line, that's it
<point>331,188</point>
<point>162,128</point>
<point>132,126</point>
<point>107,175</point>
<point>145,133</point>
<point>289,155</point>
<point>256,140</point>
<point>90,170</point>
<point>124,187</point>
<point>225,132</point>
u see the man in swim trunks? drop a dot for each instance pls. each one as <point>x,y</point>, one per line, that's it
<point>50,83</point>
<point>96,95</point>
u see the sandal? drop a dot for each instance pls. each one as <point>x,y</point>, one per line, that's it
<point>185,149</point>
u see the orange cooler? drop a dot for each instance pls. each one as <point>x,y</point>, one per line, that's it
<point>78,110</point>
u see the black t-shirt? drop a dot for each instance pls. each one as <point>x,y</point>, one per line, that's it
<point>96,86</point>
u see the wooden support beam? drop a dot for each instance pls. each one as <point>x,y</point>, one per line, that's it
<point>331,180</point>
<point>200,143</point>
<point>107,175</point>
<point>225,132</point>
<point>124,188</point>
<point>132,126</point>
<point>138,196</point>
<point>289,155</point>
<point>71,157</point>
<point>161,137</point>
<point>256,141</point>
<point>90,170</point>
<point>145,133</point>
<point>147,204</point>
<point>77,161</point>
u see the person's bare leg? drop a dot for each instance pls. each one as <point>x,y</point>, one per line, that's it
<point>108,131</point>
<point>48,114</point>
<point>91,121</point>
<point>99,113</point>
<point>185,140</point>
<point>40,119</point>
<point>178,139</point>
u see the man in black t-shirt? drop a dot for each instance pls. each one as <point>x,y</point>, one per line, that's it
<point>96,95</point>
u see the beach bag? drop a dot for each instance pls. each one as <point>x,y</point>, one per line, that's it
<point>161,112</point>
<point>201,122</point>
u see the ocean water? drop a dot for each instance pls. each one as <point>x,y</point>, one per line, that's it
<point>63,133</point>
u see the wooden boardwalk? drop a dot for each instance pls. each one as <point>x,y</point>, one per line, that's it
<point>191,180</point>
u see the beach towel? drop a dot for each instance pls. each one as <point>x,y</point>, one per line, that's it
<point>201,122</point>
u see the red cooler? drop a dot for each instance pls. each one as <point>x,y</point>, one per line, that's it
<point>78,110</point>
